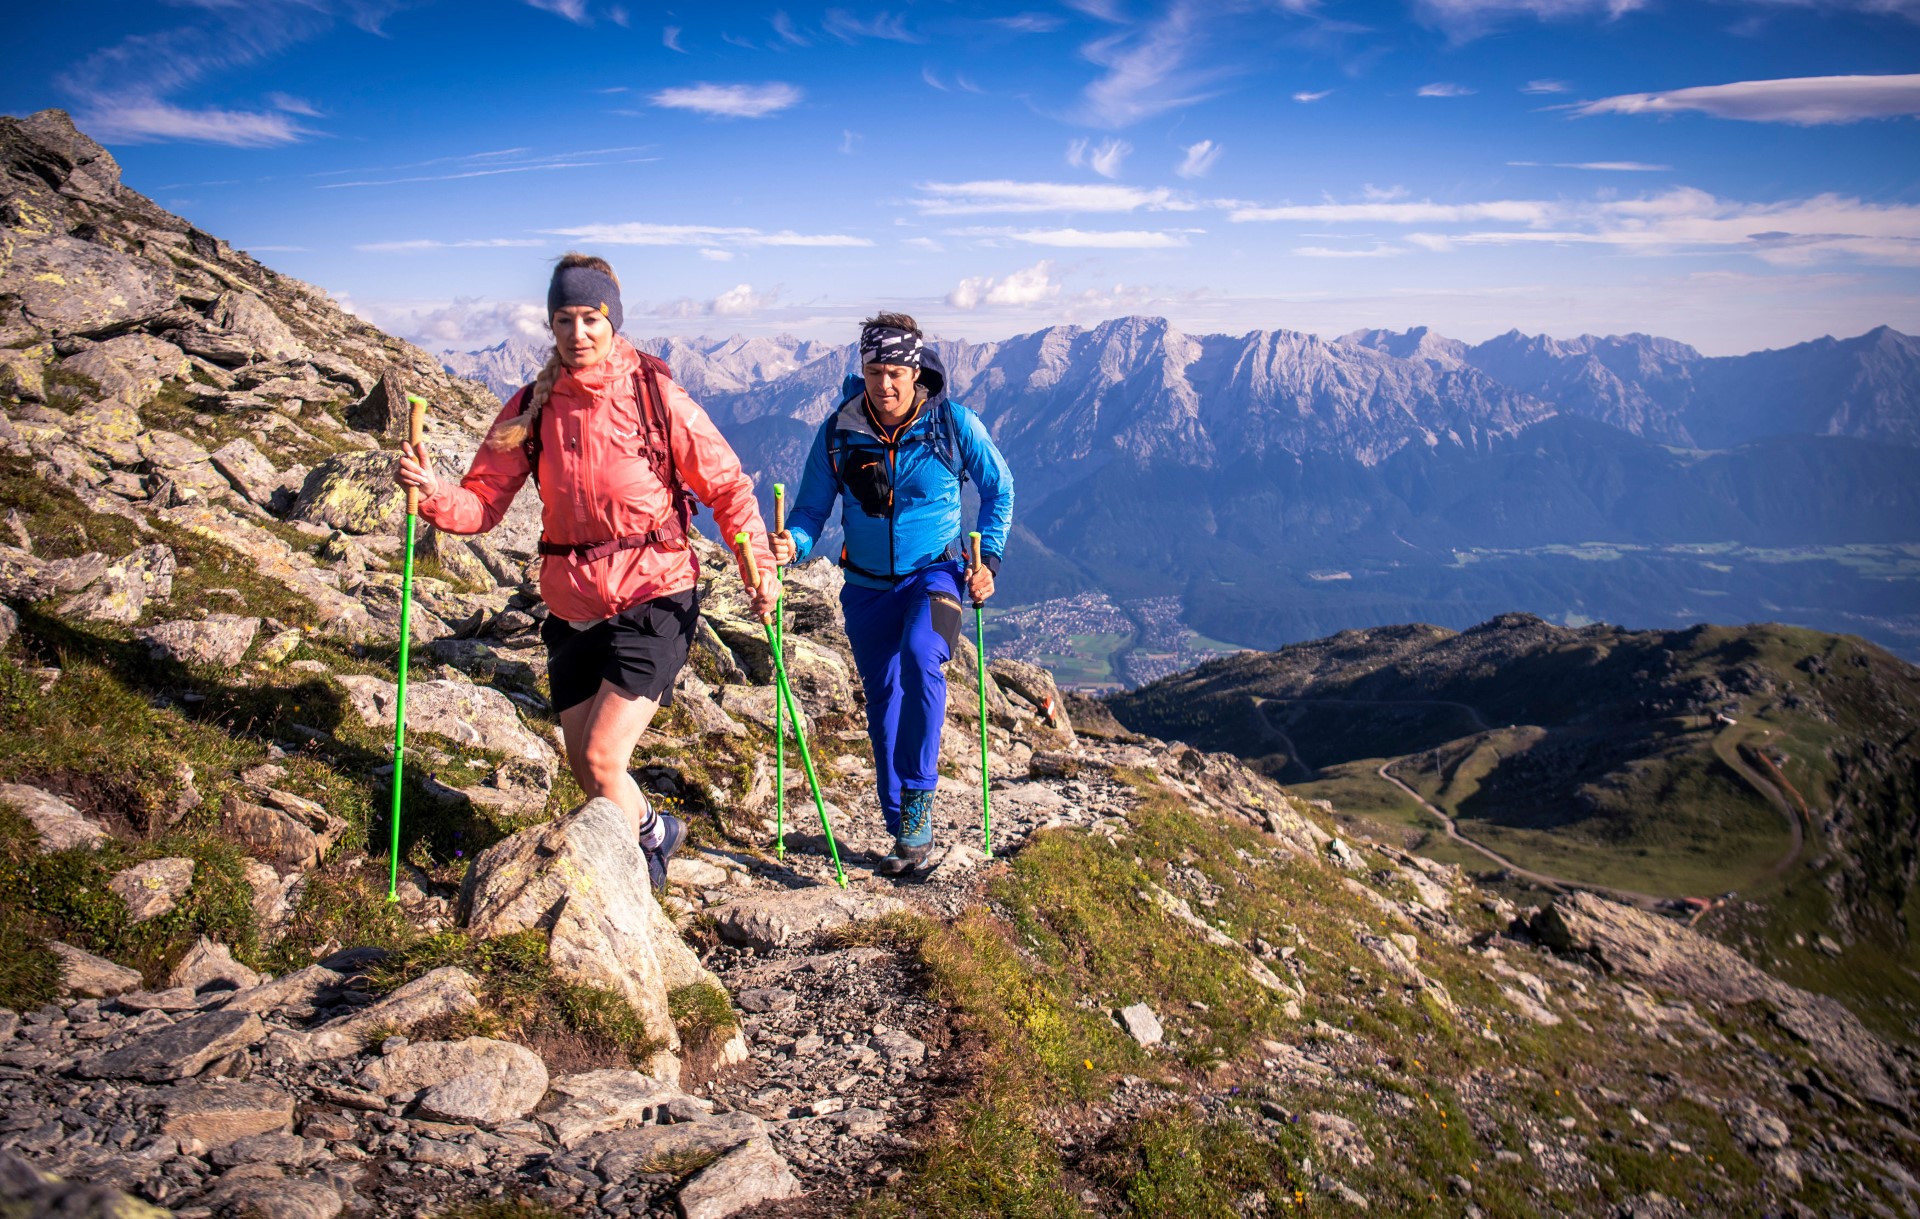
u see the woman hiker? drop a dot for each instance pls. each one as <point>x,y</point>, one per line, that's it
<point>895,454</point>
<point>617,450</point>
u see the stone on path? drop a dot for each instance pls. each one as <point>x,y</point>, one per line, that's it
<point>295,994</point>
<point>748,1175</point>
<point>778,919</point>
<point>1141,1024</point>
<point>593,1102</point>
<point>217,1112</point>
<point>477,1079</point>
<point>209,963</point>
<point>152,888</point>
<point>177,1051</point>
<point>619,1154</point>
<point>93,977</point>
<point>447,991</point>
<point>61,826</point>
<point>900,1049</point>
<point>584,878</point>
<point>271,1195</point>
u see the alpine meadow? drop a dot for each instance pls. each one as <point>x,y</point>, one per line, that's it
<point>1140,608</point>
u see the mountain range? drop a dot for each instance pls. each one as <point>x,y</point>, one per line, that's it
<point>1286,486</point>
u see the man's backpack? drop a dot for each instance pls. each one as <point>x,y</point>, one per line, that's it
<point>946,445</point>
<point>652,400</point>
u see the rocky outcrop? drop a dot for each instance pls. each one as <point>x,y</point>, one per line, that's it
<point>1640,945</point>
<point>59,824</point>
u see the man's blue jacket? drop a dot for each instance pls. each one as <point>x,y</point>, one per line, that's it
<point>922,518</point>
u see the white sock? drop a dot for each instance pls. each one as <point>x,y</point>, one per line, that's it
<point>653,830</point>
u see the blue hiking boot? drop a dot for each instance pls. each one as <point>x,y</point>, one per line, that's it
<point>916,836</point>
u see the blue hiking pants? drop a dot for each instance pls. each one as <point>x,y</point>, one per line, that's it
<point>902,638</point>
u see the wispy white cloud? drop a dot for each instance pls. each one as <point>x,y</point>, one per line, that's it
<point>1382,194</point>
<point>1443,88</point>
<point>1626,167</point>
<point>670,39</point>
<point>1466,19</point>
<point>1083,239</point>
<point>711,254</point>
<point>924,243</point>
<point>788,33</point>
<point>1377,251</point>
<point>850,142</point>
<point>125,92</point>
<point>738,301</point>
<point>932,81</point>
<point>1545,86</point>
<point>977,198</point>
<point>1500,211</point>
<point>1148,70</point>
<point>1199,159</point>
<point>1030,286</point>
<point>294,105</point>
<point>1306,96</point>
<point>1030,23</point>
<point>573,10</point>
<point>488,165</point>
<point>887,27</point>
<point>422,244</point>
<point>731,101</point>
<point>1103,158</point>
<point>133,122</point>
<point>643,233</point>
<point>463,324</point>
<point>1803,101</point>
<point>618,14</point>
<point>1789,232</point>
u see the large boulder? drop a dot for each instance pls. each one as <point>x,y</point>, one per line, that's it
<point>246,314</point>
<point>1036,686</point>
<point>251,474</point>
<point>68,286</point>
<point>131,368</point>
<point>583,878</point>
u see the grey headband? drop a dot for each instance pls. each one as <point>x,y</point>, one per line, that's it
<point>584,286</point>
<point>890,345</point>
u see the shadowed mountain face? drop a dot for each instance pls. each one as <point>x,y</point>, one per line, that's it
<point>1771,760</point>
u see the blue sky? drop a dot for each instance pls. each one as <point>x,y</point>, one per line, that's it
<point>1733,173</point>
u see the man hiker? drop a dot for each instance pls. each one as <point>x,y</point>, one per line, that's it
<point>895,454</point>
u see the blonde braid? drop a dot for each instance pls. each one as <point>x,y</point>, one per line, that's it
<point>513,433</point>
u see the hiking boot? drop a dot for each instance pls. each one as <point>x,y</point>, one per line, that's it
<point>904,859</point>
<point>673,832</point>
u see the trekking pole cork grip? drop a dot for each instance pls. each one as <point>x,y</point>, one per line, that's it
<point>749,570</point>
<point>973,543</point>
<point>416,426</point>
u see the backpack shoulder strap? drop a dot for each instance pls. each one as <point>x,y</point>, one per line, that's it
<point>531,445</point>
<point>651,396</point>
<point>946,438</point>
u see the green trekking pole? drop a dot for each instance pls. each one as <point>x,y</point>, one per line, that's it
<point>416,423</point>
<point>980,653</point>
<point>779,708</point>
<point>749,571</point>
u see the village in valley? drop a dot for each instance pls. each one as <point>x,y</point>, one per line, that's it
<point>1095,646</point>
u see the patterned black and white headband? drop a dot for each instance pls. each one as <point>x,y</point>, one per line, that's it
<point>890,345</point>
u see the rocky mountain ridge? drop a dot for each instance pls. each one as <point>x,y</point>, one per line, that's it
<point>1176,989</point>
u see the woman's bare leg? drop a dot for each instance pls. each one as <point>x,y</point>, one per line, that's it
<point>606,728</point>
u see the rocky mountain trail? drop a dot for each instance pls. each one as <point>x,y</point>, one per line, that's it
<point>1176,987</point>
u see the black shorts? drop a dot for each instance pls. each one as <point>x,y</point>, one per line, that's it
<point>639,650</point>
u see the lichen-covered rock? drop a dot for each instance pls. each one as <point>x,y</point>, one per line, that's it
<point>22,376</point>
<point>122,592</point>
<point>353,492</point>
<point>778,919</point>
<point>68,286</point>
<point>248,470</point>
<point>25,1190</point>
<point>152,888</point>
<point>130,368</point>
<point>746,1176</point>
<point>218,640</point>
<point>480,716</point>
<point>210,963</point>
